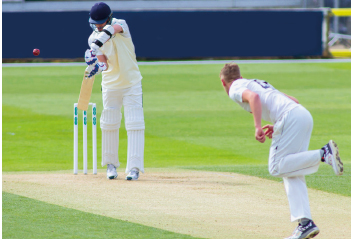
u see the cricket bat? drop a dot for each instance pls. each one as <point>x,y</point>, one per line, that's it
<point>85,92</point>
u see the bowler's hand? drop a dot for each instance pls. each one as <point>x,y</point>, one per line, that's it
<point>260,136</point>
<point>269,132</point>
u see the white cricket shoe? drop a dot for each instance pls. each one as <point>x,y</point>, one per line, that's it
<point>309,230</point>
<point>331,156</point>
<point>111,171</point>
<point>133,174</point>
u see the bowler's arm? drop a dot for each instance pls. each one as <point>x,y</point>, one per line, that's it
<point>291,97</point>
<point>256,109</point>
<point>255,104</point>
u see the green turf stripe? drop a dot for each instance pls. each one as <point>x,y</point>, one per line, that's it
<point>37,142</point>
<point>190,122</point>
<point>324,179</point>
<point>23,217</point>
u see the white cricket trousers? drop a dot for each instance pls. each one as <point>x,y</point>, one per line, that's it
<point>290,159</point>
<point>132,101</point>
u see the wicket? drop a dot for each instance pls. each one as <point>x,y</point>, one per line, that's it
<point>85,140</point>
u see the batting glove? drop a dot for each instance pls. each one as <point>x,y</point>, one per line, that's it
<point>95,69</point>
<point>90,57</point>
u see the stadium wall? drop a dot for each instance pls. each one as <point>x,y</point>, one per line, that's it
<point>173,34</point>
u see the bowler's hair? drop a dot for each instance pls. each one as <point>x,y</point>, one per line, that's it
<point>230,72</point>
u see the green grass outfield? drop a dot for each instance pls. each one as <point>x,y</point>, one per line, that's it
<point>190,123</point>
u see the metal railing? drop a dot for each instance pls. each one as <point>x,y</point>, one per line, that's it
<point>334,37</point>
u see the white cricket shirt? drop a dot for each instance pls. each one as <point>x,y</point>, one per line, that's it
<point>274,103</point>
<point>123,71</point>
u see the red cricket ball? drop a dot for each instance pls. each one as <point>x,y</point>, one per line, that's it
<point>36,52</point>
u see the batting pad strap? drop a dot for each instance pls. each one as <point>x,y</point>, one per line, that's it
<point>134,118</point>
<point>110,119</point>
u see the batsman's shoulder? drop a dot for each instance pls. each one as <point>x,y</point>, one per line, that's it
<point>118,21</point>
<point>123,24</point>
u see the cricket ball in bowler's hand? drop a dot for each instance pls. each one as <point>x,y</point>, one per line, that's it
<point>36,52</point>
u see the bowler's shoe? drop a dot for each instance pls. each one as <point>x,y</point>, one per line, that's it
<point>308,230</point>
<point>331,156</point>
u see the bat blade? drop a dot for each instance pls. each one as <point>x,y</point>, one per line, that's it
<point>85,92</point>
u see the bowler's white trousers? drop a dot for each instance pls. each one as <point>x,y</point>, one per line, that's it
<point>290,159</point>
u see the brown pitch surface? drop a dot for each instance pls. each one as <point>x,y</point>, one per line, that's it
<point>201,204</point>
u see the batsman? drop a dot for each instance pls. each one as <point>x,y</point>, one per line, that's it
<point>112,53</point>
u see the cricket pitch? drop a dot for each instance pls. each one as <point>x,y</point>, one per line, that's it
<point>197,203</point>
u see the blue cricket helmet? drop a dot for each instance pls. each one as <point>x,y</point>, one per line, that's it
<point>100,13</point>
